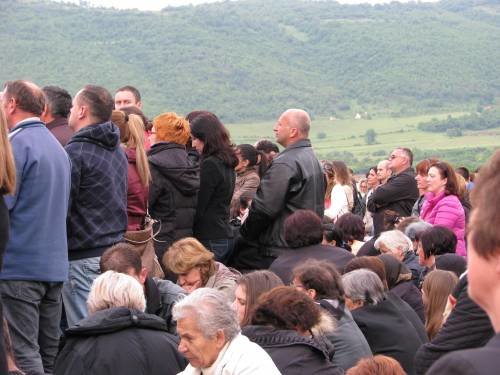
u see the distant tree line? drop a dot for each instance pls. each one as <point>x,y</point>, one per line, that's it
<point>487,119</point>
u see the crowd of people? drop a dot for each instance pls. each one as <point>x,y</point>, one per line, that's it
<point>130,246</point>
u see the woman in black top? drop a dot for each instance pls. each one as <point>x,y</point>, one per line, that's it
<point>217,177</point>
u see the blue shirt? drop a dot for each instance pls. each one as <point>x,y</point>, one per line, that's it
<point>37,248</point>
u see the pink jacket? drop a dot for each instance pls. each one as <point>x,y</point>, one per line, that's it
<point>446,211</point>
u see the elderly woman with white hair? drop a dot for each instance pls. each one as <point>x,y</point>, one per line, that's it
<point>397,244</point>
<point>118,337</point>
<point>211,340</point>
<point>386,329</point>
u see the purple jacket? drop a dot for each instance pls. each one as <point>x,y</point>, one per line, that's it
<point>447,211</point>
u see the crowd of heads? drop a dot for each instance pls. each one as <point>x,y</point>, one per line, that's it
<point>217,303</point>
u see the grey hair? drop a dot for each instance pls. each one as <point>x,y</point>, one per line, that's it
<point>383,164</point>
<point>415,229</point>
<point>114,289</point>
<point>363,285</point>
<point>211,309</point>
<point>394,239</point>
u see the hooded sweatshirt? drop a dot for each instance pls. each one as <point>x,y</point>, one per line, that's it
<point>173,193</point>
<point>97,216</point>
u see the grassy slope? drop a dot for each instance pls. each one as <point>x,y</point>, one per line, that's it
<point>346,136</point>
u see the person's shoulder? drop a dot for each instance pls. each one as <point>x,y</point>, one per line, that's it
<point>168,287</point>
<point>250,356</point>
<point>482,361</point>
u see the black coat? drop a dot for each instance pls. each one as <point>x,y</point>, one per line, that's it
<point>410,314</point>
<point>398,194</point>
<point>214,199</point>
<point>120,341</point>
<point>467,327</point>
<point>292,353</point>
<point>286,262</point>
<point>172,193</point>
<point>388,332</point>
<point>482,361</point>
<point>293,181</point>
<point>408,292</point>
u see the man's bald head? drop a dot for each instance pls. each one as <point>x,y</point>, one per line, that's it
<point>293,125</point>
<point>383,171</point>
<point>22,99</point>
<point>300,119</point>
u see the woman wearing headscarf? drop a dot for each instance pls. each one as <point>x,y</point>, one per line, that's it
<point>399,282</point>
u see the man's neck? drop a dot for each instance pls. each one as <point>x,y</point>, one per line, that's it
<point>291,142</point>
<point>401,170</point>
<point>82,125</point>
<point>16,120</point>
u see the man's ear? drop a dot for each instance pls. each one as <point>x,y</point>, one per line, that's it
<point>143,275</point>
<point>11,105</point>
<point>45,113</point>
<point>139,104</point>
<point>220,339</point>
<point>312,293</point>
<point>496,259</point>
<point>294,132</point>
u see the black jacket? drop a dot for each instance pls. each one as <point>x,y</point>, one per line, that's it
<point>286,262</point>
<point>410,314</point>
<point>120,341</point>
<point>161,296</point>
<point>293,181</point>
<point>172,194</point>
<point>467,327</point>
<point>408,292</point>
<point>214,199</point>
<point>291,353</point>
<point>482,361</point>
<point>398,194</point>
<point>388,332</point>
<point>97,217</point>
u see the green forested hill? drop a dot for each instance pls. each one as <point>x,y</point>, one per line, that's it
<point>249,60</point>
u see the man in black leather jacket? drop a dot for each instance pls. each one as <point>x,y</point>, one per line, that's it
<point>293,181</point>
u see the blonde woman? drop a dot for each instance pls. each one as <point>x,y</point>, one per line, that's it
<point>139,176</point>
<point>196,268</point>
<point>7,182</point>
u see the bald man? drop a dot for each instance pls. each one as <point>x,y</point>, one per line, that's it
<point>383,171</point>
<point>36,256</point>
<point>294,181</point>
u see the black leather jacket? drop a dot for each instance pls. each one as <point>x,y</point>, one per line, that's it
<point>293,181</point>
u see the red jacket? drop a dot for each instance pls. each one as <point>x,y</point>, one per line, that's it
<point>137,194</point>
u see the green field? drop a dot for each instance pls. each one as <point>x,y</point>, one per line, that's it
<point>344,139</point>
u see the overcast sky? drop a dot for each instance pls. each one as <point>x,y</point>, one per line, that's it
<point>159,4</point>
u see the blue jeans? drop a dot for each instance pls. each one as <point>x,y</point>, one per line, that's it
<point>222,248</point>
<point>82,273</point>
<point>33,311</point>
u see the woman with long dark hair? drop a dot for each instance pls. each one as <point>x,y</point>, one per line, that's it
<point>217,179</point>
<point>251,166</point>
<point>442,205</point>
